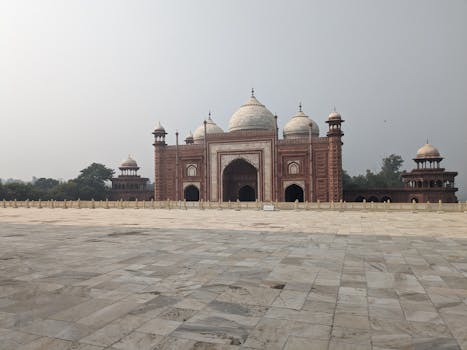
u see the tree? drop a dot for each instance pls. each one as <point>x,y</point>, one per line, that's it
<point>65,190</point>
<point>91,182</point>
<point>45,183</point>
<point>390,170</point>
<point>388,176</point>
<point>20,191</point>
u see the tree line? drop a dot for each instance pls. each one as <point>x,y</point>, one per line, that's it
<point>91,183</point>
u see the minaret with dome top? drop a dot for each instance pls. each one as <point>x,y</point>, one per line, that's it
<point>335,155</point>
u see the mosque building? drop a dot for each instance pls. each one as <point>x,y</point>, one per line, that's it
<point>250,161</point>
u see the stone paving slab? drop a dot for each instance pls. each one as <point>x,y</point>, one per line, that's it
<point>217,279</point>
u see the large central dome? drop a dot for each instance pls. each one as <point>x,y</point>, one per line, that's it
<point>252,116</point>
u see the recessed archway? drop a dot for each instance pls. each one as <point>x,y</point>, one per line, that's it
<point>238,176</point>
<point>246,194</point>
<point>191,193</point>
<point>293,192</point>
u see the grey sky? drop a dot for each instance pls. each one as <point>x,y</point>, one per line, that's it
<point>87,81</point>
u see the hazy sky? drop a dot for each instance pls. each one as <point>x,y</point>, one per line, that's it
<point>87,81</point>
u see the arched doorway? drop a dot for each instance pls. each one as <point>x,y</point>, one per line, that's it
<point>240,181</point>
<point>293,192</point>
<point>386,199</point>
<point>246,194</point>
<point>360,199</point>
<point>373,199</point>
<point>191,193</point>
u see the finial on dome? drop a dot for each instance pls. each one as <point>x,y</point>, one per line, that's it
<point>334,109</point>
<point>300,106</point>
<point>252,92</point>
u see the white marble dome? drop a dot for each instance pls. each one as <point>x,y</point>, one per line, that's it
<point>129,163</point>
<point>428,151</point>
<point>211,128</point>
<point>252,116</point>
<point>299,125</point>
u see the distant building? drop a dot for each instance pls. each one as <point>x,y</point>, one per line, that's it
<point>129,185</point>
<point>250,162</point>
<point>427,183</point>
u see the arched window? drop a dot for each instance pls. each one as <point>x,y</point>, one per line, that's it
<point>294,168</point>
<point>191,170</point>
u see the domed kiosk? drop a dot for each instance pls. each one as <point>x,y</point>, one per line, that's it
<point>129,185</point>
<point>429,182</point>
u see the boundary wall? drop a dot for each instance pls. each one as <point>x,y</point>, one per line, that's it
<point>269,206</point>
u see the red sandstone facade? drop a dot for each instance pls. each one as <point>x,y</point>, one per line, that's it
<point>250,162</point>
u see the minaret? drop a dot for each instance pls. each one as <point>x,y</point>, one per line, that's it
<point>159,148</point>
<point>335,156</point>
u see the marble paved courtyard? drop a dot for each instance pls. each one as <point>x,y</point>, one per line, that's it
<point>223,279</point>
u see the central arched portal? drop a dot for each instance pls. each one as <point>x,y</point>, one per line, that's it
<point>240,181</point>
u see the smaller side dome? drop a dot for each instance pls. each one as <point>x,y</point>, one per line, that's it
<point>427,151</point>
<point>189,138</point>
<point>299,126</point>
<point>159,128</point>
<point>211,128</point>
<point>129,163</point>
<point>334,115</point>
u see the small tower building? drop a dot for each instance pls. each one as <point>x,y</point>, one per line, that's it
<point>429,181</point>
<point>129,185</point>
